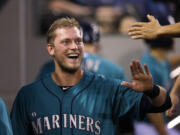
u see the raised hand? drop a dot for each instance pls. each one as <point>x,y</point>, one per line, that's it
<point>141,81</point>
<point>145,30</point>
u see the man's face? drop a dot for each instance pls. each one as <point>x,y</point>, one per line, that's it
<point>68,48</point>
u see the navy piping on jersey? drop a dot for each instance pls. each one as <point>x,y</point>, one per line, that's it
<point>59,102</point>
<point>78,94</point>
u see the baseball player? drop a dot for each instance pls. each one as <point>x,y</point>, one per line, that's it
<point>5,123</point>
<point>94,63</point>
<point>71,101</point>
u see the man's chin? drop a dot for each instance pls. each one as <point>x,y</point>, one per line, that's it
<point>71,70</point>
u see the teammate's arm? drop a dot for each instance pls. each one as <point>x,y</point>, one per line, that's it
<point>175,92</point>
<point>142,82</point>
<point>152,29</point>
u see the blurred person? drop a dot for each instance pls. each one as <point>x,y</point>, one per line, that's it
<point>5,122</point>
<point>73,101</point>
<point>152,29</point>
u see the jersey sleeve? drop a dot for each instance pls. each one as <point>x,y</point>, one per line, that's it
<point>127,102</point>
<point>5,123</point>
<point>19,117</point>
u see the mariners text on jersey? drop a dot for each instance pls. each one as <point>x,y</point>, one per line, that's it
<point>68,121</point>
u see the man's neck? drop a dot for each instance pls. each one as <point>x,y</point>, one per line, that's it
<point>67,79</point>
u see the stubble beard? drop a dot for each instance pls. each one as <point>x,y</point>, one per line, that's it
<point>67,69</point>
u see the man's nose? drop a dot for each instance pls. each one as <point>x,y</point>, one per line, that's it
<point>74,45</point>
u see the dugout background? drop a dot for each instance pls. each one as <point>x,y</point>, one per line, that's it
<point>22,52</point>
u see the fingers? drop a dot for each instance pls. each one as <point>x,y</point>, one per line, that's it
<point>134,32</point>
<point>138,24</point>
<point>136,67</point>
<point>135,29</point>
<point>146,69</point>
<point>132,70</point>
<point>151,18</point>
<point>138,37</point>
<point>140,67</point>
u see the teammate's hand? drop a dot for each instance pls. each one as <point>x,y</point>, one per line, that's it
<point>145,30</point>
<point>141,81</point>
<point>172,112</point>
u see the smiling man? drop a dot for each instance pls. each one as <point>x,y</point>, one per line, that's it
<point>71,101</point>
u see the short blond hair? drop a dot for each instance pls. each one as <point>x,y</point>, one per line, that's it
<point>60,23</point>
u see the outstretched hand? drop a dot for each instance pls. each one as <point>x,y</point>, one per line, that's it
<point>145,30</point>
<point>141,81</point>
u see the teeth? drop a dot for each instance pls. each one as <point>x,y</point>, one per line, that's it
<point>73,55</point>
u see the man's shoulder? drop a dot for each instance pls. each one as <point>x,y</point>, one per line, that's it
<point>34,86</point>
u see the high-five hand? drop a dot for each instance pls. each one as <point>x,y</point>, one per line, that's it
<point>145,30</point>
<point>141,81</point>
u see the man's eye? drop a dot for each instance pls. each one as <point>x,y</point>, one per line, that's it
<point>79,41</point>
<point>66,42</point>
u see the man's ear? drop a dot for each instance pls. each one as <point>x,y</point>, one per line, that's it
<point>50,49</point>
